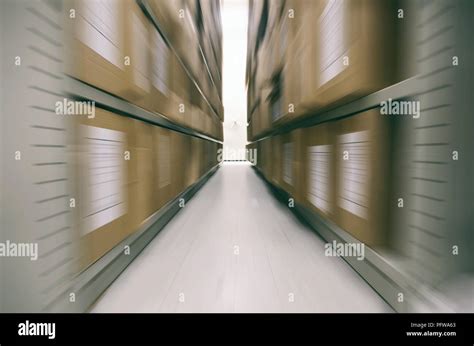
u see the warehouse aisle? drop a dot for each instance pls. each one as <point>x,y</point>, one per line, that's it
<point>235,248</point>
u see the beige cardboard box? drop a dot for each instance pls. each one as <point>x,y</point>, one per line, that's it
<point>186,160</point>
<point>169,14</point>
<point>161,75</point>
<point>194,160</point>
<point>265,157</point>
<point>181,111</point>
<point>259,146</point>
<point>136,55</point>
<point>262,70</point>
<point>352,53</point>
<point>264,110</point>
<point>176,22</point>
<point>179,155</point>
<point>362,181</point>
<point>295,71</point>
<point>213,130</point>
<point>216,154</point>
<point>193,118</point>
<point>287,154</point>
<point>207,123</point>
<point>255,124</point>
<point>104,180</point>
<point>207,118</point>
<point>142,169</point>
<point>187,44</point>
<point>288,50</point>
<point>97,44</point>
<point>276,163</point>
<point>255,15</point>
<point>163,166</point>
<point>291,163</point>
<point>221,111</point>
<point>219,126</point>
<point>221,133</point>
<point>109,48</point>
<point>206,156</point>
<point>202,163</point>
<point>202,122</point>
<point>205,84</point>
<point>308,61</point>
<point>318,190</point>
<point>294,11</point>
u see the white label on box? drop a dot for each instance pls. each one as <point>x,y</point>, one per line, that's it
<point>319,158</point>
<point>140,53</point>
<point>164,161</point>
<point>354,177</point>
<point>287,163</point>
<point>332,43</point>
<point>99,28</point>
<point>104,176</point>
<point>160,68</point>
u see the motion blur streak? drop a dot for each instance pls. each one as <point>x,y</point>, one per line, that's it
<point>359,113</point>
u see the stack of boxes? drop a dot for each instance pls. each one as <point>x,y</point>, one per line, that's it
<point>165,57</point>
<point>305,57</point>
<point>116,48</point>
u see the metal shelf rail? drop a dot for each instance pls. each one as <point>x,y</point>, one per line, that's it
<point>80,90</point>
<point>406,88</point>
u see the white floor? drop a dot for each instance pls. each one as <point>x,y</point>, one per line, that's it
<point>235,248</point>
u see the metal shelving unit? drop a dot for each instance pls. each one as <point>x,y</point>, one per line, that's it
<point>406,88</point>
<point>387,272</point>
<point>384,272</point>
<point>92,282</point>
<point>201,51</point>
<point>149,13</point>
<point>80,90</point>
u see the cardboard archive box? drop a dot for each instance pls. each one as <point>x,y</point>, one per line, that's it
<point>319,161</point>
<point>276,162</point>
<point>161,75</point>
<point>362,181</point>
<point>349,50</point>
<point>141,178</point>
<point>104,182</point>
<point>163,166</point>
<point>109,48</point>
<point>291,173</point>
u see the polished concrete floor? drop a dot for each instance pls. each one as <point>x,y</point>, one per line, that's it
<point>235,248</point>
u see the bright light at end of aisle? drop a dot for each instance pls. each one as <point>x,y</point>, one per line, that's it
<point>234,27</point>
